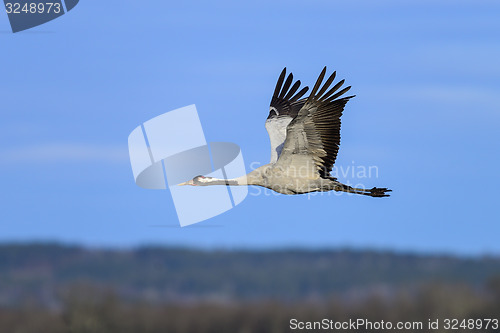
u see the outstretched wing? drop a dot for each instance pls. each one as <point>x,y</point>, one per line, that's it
<point>313,137</point>
<point>285,106</point>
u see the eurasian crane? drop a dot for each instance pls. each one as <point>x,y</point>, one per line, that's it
<point>305,139</point>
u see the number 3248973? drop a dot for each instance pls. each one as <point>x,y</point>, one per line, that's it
<point>33,8</point>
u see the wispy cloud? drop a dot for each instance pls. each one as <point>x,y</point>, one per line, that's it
<point>446,94</point>
<point>64,152</point>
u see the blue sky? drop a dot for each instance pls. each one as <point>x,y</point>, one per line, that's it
<point>427,115</point>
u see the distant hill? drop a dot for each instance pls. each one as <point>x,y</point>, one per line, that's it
<point>40,273</point>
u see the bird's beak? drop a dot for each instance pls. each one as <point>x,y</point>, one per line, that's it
<point>189,182</point>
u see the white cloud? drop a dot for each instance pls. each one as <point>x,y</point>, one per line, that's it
<point>64,152</point>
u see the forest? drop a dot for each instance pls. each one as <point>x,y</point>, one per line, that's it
<point>61,288</point>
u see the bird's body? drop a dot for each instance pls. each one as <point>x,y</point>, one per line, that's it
<point>305,139</point>
<point>283,180</point>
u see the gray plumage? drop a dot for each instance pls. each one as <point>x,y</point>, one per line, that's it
<point>305,140</point>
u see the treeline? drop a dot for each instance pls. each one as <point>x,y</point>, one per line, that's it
<point>40,274</point>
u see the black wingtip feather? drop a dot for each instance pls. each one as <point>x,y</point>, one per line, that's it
<point>292,91</point>
<point>299,94</point>
<point>286,100</point>
<point>340,93</point>
<point>334,89</point>
<point>279,83</point>
<point>326,85</point>
<point>318,84</point>
<point>287,84</point>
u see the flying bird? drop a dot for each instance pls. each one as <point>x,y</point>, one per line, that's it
<point>305,139</point>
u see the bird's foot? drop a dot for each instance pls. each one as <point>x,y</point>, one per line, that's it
<point>379,192</point>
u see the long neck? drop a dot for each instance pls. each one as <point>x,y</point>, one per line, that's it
<point>232,182</point>
<point>253,178</point>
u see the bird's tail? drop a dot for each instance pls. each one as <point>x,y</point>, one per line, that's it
<point>377,192</point>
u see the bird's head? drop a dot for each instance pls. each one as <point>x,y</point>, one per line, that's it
<point>197,181</point>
